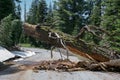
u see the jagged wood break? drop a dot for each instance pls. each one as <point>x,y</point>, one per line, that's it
<point>75,45</point>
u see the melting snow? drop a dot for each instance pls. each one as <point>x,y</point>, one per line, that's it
<point>23,54</point>
<point>5,54</point>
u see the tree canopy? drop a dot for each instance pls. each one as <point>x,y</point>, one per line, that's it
<point>10,24</point>
<point>68,16</point>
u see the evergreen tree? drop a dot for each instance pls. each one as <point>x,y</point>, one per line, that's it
<point>49,19</point>
<point>38,12</point>
<point>25,13</point>
<point>18,10</point>
<point>6,7</point>
<point>5,31</point>
<point>42,11</point>
<point>16,25</point>
<point>94,18</point>
<point>10,31</point>
<point>111,22</point>
<point>71,15</point>
<point>32,15</point>
<point>37,15</point>
<point>56,19</point>
<point>10,26</point>
<point>90,5</point>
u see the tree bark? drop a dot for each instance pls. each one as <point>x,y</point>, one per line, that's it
<point>77,46</point>
<point>112,65</point>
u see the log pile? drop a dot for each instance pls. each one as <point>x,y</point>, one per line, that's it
<point>58,65</point>
<point>67,65</point>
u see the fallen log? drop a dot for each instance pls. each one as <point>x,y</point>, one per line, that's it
<point>112,65</point>
<point>77,46</point>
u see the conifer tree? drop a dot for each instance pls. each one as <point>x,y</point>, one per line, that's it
<point>6,7</point>
<point>10,24</point>
<point>32,15</point>
<point>95,18</point>
<point>49,19</point>
<point>42,12</point>
<point>71,14</point>
<point>10,31</point>
<point>37,15</point>
<point>111,22</point>
<point>18,10</point>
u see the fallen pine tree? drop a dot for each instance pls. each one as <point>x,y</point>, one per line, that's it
<point>71,43</point>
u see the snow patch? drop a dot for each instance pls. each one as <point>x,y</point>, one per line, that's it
<point>23,54</point>
<point>5,54</point>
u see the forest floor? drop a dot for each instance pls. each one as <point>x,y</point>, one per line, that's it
<point>23,70</point>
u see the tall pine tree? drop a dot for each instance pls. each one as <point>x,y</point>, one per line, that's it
<point>18,9</point>
<point>42,11</point>
<point>32,15</point>
<point>38,12</point>
<point>6,7</point>
<point>111,22</point>
<point>10,24</point>
<point>71,15</point>
<point>94,18</point>
<point>49,19</point>
<point>37,15</point>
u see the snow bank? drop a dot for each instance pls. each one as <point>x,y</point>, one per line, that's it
<point>5,54</point>
<point>23,54</point>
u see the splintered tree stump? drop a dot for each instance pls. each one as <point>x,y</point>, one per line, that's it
<point>77,46</point>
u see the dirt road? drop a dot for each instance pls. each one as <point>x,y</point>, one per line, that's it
<point>14,73</point>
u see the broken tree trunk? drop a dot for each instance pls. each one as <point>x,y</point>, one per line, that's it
<point>77,46</point>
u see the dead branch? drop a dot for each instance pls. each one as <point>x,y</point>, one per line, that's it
<point>92,30</point>
<point>67,65</point>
